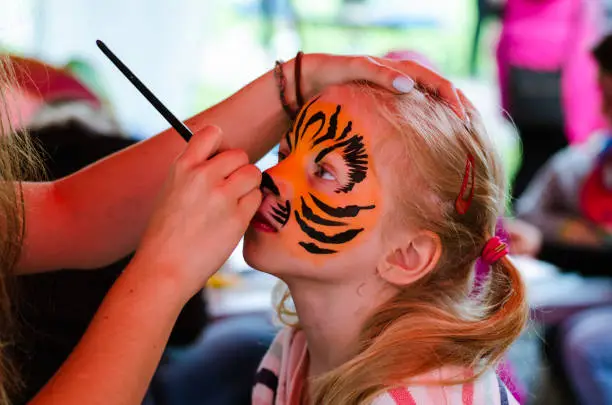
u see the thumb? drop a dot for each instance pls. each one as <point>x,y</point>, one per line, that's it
<point>249,204</point>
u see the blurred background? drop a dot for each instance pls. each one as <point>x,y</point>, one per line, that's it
<point>527,65</point>
<point>195,53</point>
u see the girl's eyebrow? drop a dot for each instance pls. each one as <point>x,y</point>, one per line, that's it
<point>354,157</point>
<point>353,151</point>
<point>321,155</point>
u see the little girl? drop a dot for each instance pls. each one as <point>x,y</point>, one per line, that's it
<point>374,217</point>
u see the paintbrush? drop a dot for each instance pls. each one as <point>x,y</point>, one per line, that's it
<point>177,124</point>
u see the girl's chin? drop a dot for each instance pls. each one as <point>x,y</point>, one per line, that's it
<point>264,260</point>
<point>255,255</point>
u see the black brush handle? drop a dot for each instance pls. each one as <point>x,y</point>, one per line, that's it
<point>177,124</point>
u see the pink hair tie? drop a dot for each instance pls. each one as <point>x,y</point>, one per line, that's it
<point>494,250</point>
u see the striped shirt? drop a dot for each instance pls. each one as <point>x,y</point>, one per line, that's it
<point>282,372</point>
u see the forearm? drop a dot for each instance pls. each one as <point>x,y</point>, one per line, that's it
<point>97,215</point>
<point>253,118</point>
<point>118,355</point>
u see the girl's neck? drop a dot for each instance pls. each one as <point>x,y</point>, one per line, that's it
<point>332,315</point>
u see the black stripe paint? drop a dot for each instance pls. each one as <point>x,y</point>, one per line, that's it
<point>311,216</point>
<point>278,211</point>
<point>347,129</point>
<point>316,117</point>
<point>335,239</point>
<point>332,129</point>
<point>340,212</point>
<point>355,157</point>
<point>268,183</point>
<point>282,213</point>
<point>312,248</point>
<point>278,219</point>
<point>288,140</point>
<point>300,121</point>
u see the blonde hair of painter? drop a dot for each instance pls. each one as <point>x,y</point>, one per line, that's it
<point>18,160</point>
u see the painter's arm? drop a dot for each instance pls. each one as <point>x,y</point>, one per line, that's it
<point>97,215</point>
<point>202,212</point>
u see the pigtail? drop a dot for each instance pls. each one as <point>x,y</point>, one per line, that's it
<point>506,309</point>
<point>409,337</point>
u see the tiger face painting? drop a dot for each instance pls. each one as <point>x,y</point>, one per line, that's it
<point>322,198</point>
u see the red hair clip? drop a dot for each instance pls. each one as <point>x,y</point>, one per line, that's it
<point>494,250</point>
<point>462,203</point>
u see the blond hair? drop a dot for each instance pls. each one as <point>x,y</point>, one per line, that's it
<point>18,160</point>
<point>437,321</point>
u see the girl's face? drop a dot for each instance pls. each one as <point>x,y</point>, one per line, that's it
<point>322,205</point>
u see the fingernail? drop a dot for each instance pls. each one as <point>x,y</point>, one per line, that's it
<point>403,84</point>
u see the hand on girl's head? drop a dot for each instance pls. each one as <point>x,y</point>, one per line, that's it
<point>394,75</point>
<point>433,82</point>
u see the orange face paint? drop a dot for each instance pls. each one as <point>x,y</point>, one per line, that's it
<point>316,217</point>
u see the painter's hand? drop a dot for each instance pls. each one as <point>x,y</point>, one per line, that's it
<point>322,70</point>
<point>203,211</point>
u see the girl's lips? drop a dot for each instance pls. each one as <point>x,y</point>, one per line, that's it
<point>261,223</point>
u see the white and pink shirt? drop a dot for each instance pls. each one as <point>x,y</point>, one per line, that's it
<point>283,370</point>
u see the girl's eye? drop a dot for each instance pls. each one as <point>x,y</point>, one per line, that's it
<point>324,174</point>
<point>281,156</point>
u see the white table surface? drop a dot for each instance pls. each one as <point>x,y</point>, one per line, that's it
<point>252,294</point>
<point>552,294</point>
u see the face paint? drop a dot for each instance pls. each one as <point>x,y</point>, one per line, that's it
<point>322,196</point>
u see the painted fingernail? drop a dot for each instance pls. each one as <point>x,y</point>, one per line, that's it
<point>403,84</point>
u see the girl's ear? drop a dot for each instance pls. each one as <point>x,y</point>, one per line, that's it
<point>408,262</point>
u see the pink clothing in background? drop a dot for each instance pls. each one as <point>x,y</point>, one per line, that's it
<point>548,35</point>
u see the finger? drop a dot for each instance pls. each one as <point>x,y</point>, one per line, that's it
<point>227,162</point>
<point>464,100</point>
<point>431,80</point>
<point>202,145</point>
<point>466,104</point>
<point>248,205</point>
<point>243,181</point>
<point>448,93</point>
<point>444,88</point>
<point>370,69</point>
